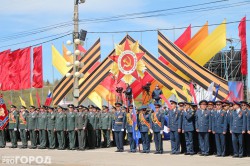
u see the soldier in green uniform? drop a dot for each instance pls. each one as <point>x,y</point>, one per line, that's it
<point>81,125</point>
<point>98,129</point>
<point>2,138</point>
<point>91,127</point>
<point>71,126</point>
<point>13,124</point>
<point>105,126</point>
<point>42,126</point>
<point>51,119</point>
<point>60,127</point>
<point>32,126</point>
<point>23,126</point>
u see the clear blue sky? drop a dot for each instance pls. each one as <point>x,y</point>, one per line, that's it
<point>23,15</point>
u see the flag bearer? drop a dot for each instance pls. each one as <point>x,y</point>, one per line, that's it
<point>105,126</point>
<point>23,126</point>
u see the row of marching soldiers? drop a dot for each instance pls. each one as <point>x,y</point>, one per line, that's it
<point>213,128</point>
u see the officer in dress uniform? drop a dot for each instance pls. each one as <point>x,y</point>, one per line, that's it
<point>81,125</point>
<point>211,108</point>
<point>91,127</point>
<point>188,119</point>
<point>145,128</point>
<point>105,125</point>
<point>182,135</point>
<point>42,126</point>
<point>238,128</point>
<point>60,127</point>
<point>229,146</point>
<point>174,125</point>
<point>113,111</point>
<point>71,126</point>
<point>248,131</point>
<point>129,129</point>
<point>32,126</point>
<point>97,111</point>
<point>203,127</point>
<point>118,126</point>
<point>23,126</point>
<point>157,125</point>
<point>196,137</point>
<point>51,120</point>
<point>219,128</point>
<point>13,124</point>
<point>246,138</point>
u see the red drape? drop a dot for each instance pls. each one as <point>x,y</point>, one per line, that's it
<point>24,64</point>
<point>14,70</point>
<point>184,38</point>
<point>242,35</point>
<point>3,71</point>
<point>38,67</point>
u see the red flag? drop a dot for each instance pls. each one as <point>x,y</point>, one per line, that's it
<point>4,115</point>
<point>184,38</point>
<point>3,72</point>
<point>229,94</point>
<point>48,99</point>
<point>14,70</point>
<point>166,101</point>
<point>242,35</point>
<point>192,92</point>
<point>24,64</point>
<point>38,99</point>
<point>38,67</point>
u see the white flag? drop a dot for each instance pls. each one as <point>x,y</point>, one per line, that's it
<point>210,91</point>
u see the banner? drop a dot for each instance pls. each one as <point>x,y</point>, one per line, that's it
<point>235,91</point>
<point>14,70</point>
<point>37,80</point>
<point>31,100</point>
<point>96,99</point>
<point>59,62</point>
<point>4,115</point>
<point>22,101</point>
<point>66,57</point>
<point>4,69</point>
<point>24,68</point>
<point>184,38</point>
<point>242,35</point>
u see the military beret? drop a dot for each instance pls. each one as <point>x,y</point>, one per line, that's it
<point>237,103</point>
<point>32,107</point>
<point>12,106</point>
<point>118,103</point>
<point>172,101</point>
<point>23,107</point>
<point>203,101</point>
<point>157,104</point>
<point>70,106</point>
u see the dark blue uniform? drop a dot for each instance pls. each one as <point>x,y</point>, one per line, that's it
<point>129,128</point>
<point>219,127</point>
<point>188,128</point>
<point>144,127</point>
<point>118,126</point>
<point>237,126</point>
<point>248,135</point>
<point>174,123</point>
<point>203,126</point>
<point>157,125</point>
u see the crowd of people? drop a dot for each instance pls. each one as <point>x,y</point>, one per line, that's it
<point>218,128</point>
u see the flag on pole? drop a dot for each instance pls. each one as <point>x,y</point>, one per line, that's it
<point>188,97</point>
<point>210,91</point>
<point>48,99</point>
<point>166,101</point>
<point>216,93</point>
<point>242,35</point>
<point>31,100</point>
<point>136,132</point>
<point>22,101</point>
<point>38,99</point>
<point>193,92</point>
<point>4,115</point>
<point>176,95</point>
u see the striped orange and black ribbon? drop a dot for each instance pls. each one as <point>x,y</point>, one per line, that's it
<point>186,65</point>
<point>89,59</point>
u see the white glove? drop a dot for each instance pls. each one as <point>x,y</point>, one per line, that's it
<point>127,131</point>
<point>15,129</point>
<point>19,130</point>
<point>26,130</point>
<point>161,132</point>
<point>151,131</point>
<point>113,129</point>
<point>122,129</point>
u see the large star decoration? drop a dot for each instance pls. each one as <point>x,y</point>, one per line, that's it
<point>128,64</point>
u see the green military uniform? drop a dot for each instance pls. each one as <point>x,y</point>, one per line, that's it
<point>42,126</point>
<point>2,139</point>
<point>105,125</point>
<point>13,124</point>
<point>91,129</point>
<point>23,127</point>
<point>81,125</point>
<point>51,119</point>
<point>98,129</point>
<point>71,126</point>
<point>32,127</point>
<point>60,127</point>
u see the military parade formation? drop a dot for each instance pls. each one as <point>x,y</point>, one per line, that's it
<point>218,128</point>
